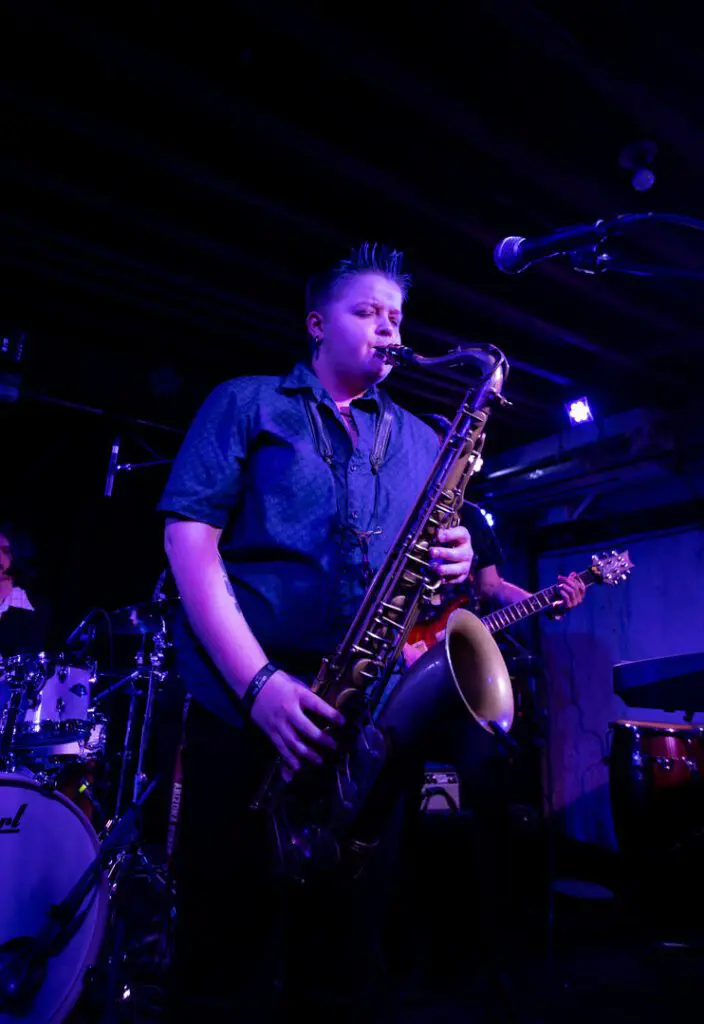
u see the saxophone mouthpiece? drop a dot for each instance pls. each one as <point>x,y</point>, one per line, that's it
<point>396,354</point>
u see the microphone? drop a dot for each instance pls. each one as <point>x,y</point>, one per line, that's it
<point>112,467</point>
<point>80,633</point>
<point>514,254</point>
<point>159,594</point>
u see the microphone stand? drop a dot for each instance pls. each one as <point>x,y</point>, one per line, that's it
<point>115,467</point>
<point>127,467</point>
<point>595,259</point>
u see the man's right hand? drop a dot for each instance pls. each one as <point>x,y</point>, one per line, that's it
<point>280,710</point>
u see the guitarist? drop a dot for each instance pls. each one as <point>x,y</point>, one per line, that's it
<point>479,760</point>
<point>485,588</point>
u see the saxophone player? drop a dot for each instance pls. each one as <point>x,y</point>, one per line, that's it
<point>282,501</point>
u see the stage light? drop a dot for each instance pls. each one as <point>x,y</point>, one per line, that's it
<point>11,354</point>
<point>579,412</point>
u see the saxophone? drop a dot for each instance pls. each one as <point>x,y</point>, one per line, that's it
<point>328,818</point>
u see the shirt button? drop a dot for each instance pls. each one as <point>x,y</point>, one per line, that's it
<point>354,515</point>
<point>353,467</point>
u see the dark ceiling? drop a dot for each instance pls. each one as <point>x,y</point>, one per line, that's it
<point>170,175</point>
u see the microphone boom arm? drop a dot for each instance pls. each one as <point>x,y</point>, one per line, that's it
<point>585,245</point>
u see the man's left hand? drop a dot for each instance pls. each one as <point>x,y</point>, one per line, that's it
<point>572,590</point>
<point>453,560</point>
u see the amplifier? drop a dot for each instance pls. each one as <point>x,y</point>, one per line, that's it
<point>441,789</point>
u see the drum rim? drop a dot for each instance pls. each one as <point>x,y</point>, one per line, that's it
<point>59,657</point>
<point>101,901</point>
<point>674,727</point>
<point>31,782</point>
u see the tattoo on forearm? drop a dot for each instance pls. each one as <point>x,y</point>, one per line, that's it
<point>228,584</point>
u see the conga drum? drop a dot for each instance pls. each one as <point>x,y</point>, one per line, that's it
<point>656,785</point>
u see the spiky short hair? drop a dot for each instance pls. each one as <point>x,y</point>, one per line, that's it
<point>368,258</point>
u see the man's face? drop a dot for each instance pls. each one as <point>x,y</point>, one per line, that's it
<point>5,557</point>
<point>366,313</point>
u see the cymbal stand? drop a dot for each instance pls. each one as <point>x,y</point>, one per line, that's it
<point>154,674</point>
<point>118,990</point>
<point>133,863</point>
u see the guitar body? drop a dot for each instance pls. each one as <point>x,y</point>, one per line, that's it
<point>427,631</point>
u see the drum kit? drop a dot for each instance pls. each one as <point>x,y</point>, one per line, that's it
<point>77,766</point>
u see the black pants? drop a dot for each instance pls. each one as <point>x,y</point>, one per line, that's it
<point>244,942</point>
<point>482,764</point>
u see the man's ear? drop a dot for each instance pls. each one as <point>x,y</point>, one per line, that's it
<point>314,323</point>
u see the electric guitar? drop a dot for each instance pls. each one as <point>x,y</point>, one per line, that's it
<point>609,569</point>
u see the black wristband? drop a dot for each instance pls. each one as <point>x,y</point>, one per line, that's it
<point>257,684</point>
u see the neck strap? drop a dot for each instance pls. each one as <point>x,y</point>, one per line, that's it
<point>382,431</point>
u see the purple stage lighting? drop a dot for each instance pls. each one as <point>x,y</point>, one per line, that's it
<point>579,412</point>
<point>488,516</point>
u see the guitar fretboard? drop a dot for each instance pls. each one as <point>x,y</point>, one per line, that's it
<point>511,613</point>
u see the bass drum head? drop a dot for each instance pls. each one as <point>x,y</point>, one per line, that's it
<point>46,844</point>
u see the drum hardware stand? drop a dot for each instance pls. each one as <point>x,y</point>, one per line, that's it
<point>23,959</point>
<point>111,977</point>
<point>154,674</point>
<point>7,729</point>
<point>133,862</point>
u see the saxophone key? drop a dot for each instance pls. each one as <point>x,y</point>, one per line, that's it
<point>379,639</point>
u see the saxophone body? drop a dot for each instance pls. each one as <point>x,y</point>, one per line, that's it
<point>328,819</point>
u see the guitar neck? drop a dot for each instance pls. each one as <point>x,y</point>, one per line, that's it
<point>512,613</point>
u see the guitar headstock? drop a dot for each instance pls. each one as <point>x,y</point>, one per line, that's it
<point>612,568</point>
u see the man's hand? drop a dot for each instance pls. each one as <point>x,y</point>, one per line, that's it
<point>412,652</point>
<point>572,590</point>
<point>453,560</point>
<point>281,710</point>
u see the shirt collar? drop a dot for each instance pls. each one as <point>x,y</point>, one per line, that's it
<point>17,598</point>
<point>302,378</point>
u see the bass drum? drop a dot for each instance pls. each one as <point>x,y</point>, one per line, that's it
<point>46,844</point>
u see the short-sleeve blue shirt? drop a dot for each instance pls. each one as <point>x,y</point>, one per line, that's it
<point>250,466</point>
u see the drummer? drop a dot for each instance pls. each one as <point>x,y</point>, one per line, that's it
<point>24,614</point>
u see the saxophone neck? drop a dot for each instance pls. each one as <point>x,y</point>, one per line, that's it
<point>488,359</point>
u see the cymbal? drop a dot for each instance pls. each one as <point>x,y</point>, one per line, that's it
<point>141,619</point>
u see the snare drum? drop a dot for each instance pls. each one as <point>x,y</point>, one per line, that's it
<point>46,844</point>
<point>656,780</point>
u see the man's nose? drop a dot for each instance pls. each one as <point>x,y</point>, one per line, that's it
<point>385,329</point>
